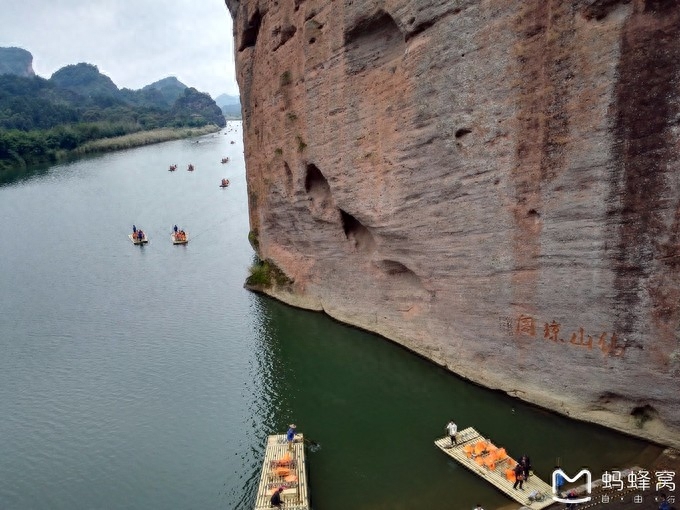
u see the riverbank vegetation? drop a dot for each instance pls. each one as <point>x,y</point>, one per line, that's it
<point>79,110</point>
<point>265,274</point>
<point>142,138</point>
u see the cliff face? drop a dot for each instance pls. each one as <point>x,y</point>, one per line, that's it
<point>494,185</point>
<point>16,61</point>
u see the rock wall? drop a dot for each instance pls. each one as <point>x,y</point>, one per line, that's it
<point>493,185</point>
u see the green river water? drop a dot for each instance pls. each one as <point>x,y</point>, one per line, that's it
<point>148,378</point>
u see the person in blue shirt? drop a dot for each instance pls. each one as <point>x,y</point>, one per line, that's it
<point>290,436</point>
<point>665,504</point>
<point>559,481</point>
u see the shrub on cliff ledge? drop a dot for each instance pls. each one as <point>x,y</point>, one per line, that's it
<point>253,239</point>
<point>301,143</point>
<point>285,78</point>
<point>264,273</point>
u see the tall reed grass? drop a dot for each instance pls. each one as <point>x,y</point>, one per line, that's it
<point>142,138</point>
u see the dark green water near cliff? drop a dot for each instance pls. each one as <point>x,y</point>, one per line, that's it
<point>149,378</point>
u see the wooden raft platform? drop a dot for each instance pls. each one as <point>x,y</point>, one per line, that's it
<point>284,468</point>
<point>138,242</point>
<point>494,472</point>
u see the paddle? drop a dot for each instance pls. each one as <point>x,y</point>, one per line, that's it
<point>313,445</point>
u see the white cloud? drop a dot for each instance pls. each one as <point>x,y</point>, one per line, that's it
<point>134,42</point>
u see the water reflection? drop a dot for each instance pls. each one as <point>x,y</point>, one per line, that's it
<point>16,174</point>
<point>149,378</point>
<point>377,409</point>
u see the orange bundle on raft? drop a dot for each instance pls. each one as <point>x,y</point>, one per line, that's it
<point>285,460</point>
<point>281,471</point>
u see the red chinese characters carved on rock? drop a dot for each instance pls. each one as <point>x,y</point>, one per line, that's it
<point>526,325</point>
<point>608,344</point>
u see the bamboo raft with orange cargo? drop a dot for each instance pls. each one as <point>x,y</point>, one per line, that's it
<point>496,466</point>
<point>284,467</point>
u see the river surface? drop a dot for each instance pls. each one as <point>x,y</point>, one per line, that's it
<point>148,378</point>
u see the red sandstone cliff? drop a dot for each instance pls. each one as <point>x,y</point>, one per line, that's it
<point>494,185</point>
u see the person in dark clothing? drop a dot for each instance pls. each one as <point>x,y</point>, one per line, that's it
<point>519,476</point>
<point>276,498</point>
<point>526,464</point>
<point>571,495</point>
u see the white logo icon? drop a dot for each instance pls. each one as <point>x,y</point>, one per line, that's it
<point>589,483</point>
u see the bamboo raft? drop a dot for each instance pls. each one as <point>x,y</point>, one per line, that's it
<point>138,242</point>
<point>178,239</point>
<point>493,466</point>
<point>284,468</point>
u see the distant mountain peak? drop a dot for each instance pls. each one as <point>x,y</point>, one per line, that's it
<point>170,89</point>
<point>17,61</point>
<point>170,81</point>
<point>227,100</point>
<point>84,79</point>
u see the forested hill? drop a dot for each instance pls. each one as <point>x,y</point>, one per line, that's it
<point>16,61</point>
<point>167,90</point>
<point>41,118</point>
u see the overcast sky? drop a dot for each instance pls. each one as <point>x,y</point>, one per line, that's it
<point>133,42</point>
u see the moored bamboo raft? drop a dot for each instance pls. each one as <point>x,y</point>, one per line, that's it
<point>284,468</point>
<point>493,466</point>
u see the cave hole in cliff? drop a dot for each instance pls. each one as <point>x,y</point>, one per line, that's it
<point>392,267</point>
<point>373,41</point>
<point>357,232</point>
<point>315,182</point>
<point>318,189</point>
<point>643,414</point>
<point>397,269</point>
<point>251,31</point>
<point>284,34</point>
<point>462,132</point>
<point>420,27</point>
